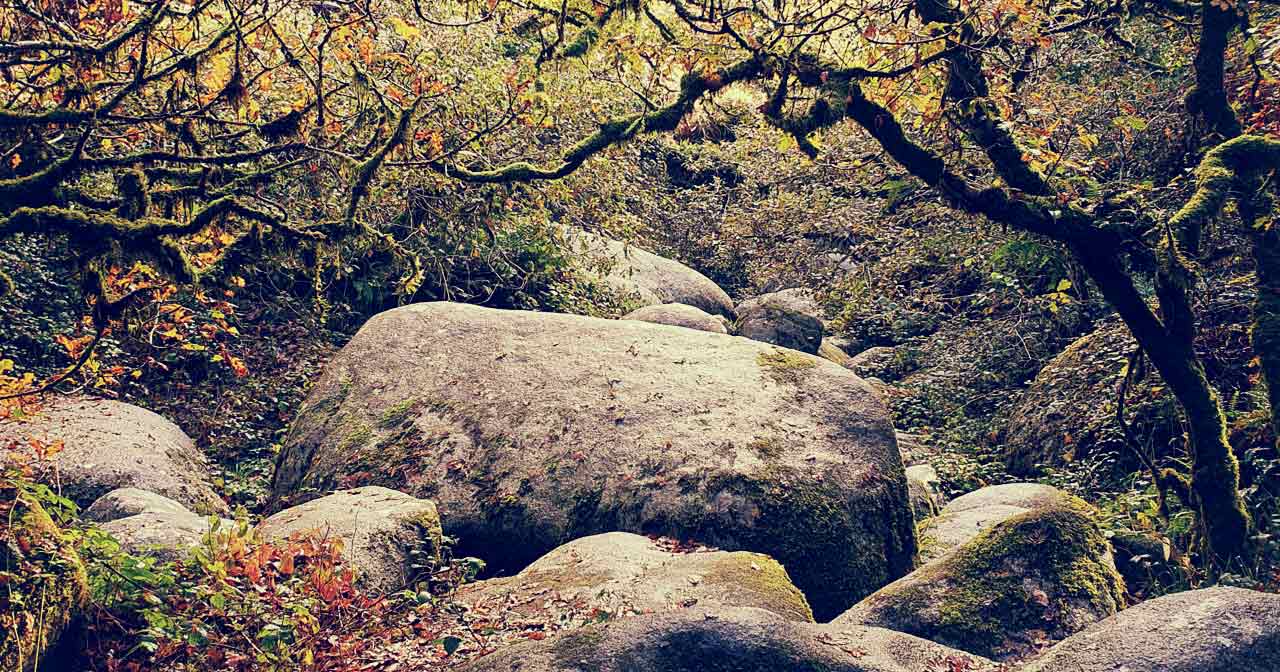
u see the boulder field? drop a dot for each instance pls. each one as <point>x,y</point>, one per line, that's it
<point>531,429</point>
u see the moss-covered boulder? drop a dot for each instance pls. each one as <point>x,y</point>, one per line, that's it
<point>1210,630</point>
<point>680,315</point>
<point>789,318</point>
<point>969,515</point>
<point>528,429</point>
<point>621,574</point>
<point>1025,495</point>
<point>643,278</point>
<point>949,530</point>
<point>727,640</point>
<point>43,587</point>
<point>1027,582</point>
<point>107,445</point>
<point>388,537</point>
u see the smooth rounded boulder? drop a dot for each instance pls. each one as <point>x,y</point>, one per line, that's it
<point>125,502</point>
<point>679,315</point>
<point>726,640</point>
<point>384,533</point>
<point>1210,630</point>
<point>107,445</point>
<point>1031,580</point>
<point>528,429</point>
<point>967,516</point>
<point>643,278</point>
<point>789,318</point>
<point>166,535</point>
<point>622,574</point>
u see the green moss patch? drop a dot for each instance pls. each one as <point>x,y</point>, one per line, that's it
<point>1044,574</point>
<point>784,366</point>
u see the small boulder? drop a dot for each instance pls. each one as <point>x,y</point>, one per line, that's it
<point>1209,630</point>
<point>950,530</point>
<point>915,448</point>
<point>923,485</point>
<point>679,315</point>
<point>384,532</point>
<point>644,278</point>
<point>39,565</point>
<point>969,515</point>
<point>789,318</point>
<point>1029,581</point>
<point>165,535</point>
<point>125,502</point>
<point>727,639</point>
<point>621,574</point>
<point>110,444</point>
<point>830,351</point>
<point>1025,495</point>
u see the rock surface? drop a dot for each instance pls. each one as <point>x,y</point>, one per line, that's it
<point>1210,630</point>
<point>620,574</point>
<point>727,640</point>
<point>949,530</point>
<point>531,428</point>
<point>165,535</point>
<point>644,278</point>
<point>1030,580</point>
<point>110,444</point>
<point>41,566</point>
<point>383,532</point>
<point>125,502</point>
<point>830,351</point>
<point>967,516</point>
<point>923,485</point>
<point>679,315</point>
<point>1025,495</point>
<point>789,319</point>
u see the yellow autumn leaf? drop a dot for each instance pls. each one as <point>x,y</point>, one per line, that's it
<point>404,30</point>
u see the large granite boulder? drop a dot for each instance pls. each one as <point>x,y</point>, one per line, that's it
<point>387,537</point>
<point>789,318</point>
<point>1027,582</point>
<point>43,585</point>
<point>528,429</point>
<point>620,574</point>
<point>110,444</point>
<point>727,640</point>
<point>643,278</point>
<point>1210,630</point>
<point>679,315</point>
